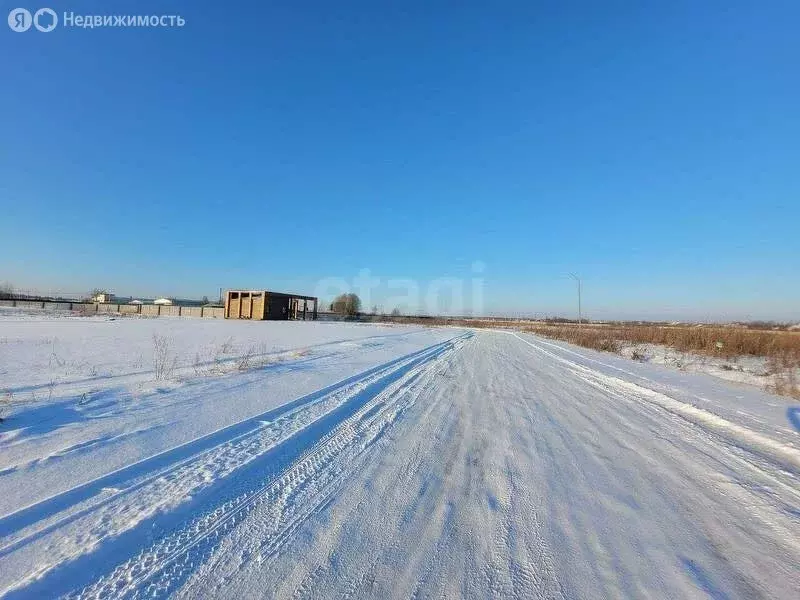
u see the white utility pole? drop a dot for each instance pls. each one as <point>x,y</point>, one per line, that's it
<point>578,279</point>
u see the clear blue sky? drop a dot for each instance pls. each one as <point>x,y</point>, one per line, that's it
<point>651,147</point>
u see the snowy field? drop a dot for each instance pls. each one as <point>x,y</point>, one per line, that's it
<point>218,459</point>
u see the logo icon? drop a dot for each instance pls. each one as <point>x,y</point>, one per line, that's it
<point>19,19</point>
<point>45,19</point>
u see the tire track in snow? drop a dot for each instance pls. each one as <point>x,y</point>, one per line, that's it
<point>147,469</point>
<point>261,540</point>
<point>784,456</point>
<point>410,496</point>
<point>755,453</point>
<point>316,462</point>
<point>725,465</point>
<point>121,504</point>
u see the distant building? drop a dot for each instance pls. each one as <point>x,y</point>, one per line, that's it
<point>103,298</point>
<point>262,305</point>
<point>163,302</point>
<point>135,302</point>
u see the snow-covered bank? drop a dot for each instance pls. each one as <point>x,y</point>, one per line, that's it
<point>749,370</point>
<point>37,350</point>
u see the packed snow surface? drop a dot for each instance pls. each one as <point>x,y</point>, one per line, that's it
<point>218,459</point>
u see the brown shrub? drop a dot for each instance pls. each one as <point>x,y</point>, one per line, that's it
<point>783,368</point>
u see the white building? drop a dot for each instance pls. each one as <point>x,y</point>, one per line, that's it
<point>103,297</point>
<point>163,301</point>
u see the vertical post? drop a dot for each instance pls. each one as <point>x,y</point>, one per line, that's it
<point>578,280</point>
<point>316,303</point>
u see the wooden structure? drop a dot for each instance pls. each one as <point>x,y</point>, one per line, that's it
<point>262,305</point>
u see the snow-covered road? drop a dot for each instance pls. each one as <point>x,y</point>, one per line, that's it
<point>425,463</point>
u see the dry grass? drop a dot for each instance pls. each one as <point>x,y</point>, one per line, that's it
<point>725,342</point>
<point>783,369</point>
<point>6,400</point>
<point>588,337</point>
<point>164,359</point>
<point>214,362</point>
<point>781,348</point>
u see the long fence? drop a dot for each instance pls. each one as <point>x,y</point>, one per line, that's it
<point>151,310</point>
